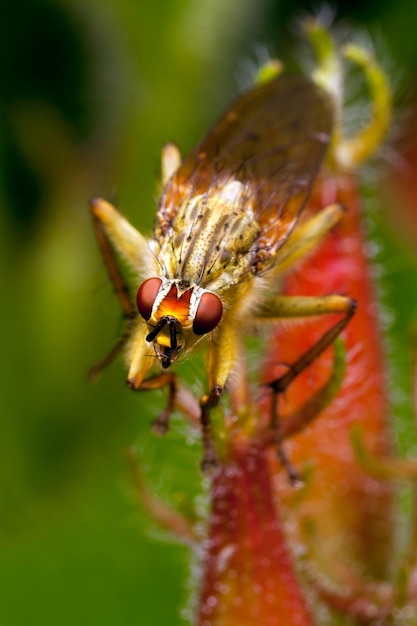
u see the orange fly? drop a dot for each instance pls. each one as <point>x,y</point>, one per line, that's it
<point>228,226</point>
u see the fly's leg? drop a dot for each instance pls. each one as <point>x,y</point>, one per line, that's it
<point>161,424</point>
<point>221,355</point>
<point>114,232</point>
<point>287,307</point>
<point>330,304</point>
<point>208,402</point>
<point>304,415</point>
<point>304,239</point>
<point>307,237</point>
<point>117,349</point>
<point>298,420</point>
<point>178,398</point>
<point>109,225</point>
<point>347,153</point>
<point>100,209</point>
<point>140,362</point>
<point>293,475</point>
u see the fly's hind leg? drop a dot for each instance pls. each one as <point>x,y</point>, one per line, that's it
<point>304,239</point>
<point>316,307</point>
<point>293,306</point>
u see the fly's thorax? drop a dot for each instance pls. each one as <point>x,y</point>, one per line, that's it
<point>177,314</point>
<point>211,242</point>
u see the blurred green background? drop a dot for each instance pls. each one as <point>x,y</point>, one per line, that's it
<point>89,94</point>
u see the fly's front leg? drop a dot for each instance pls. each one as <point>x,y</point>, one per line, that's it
<point>140,361</point>
<point>161,424</point>
<point>208,402</point>
<point>220,357</point>
<point>292,306</point>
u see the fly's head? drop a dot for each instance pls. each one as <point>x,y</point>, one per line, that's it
<point>177,315</point>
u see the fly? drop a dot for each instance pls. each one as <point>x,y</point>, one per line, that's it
<point>227,227</point>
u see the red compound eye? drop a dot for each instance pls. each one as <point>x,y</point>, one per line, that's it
<point>146,295</point>
<point>208,315</point>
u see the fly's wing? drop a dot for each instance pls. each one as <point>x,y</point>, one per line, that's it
<point>273,140</point>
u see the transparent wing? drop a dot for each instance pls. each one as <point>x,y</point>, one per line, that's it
<point>273,140</point>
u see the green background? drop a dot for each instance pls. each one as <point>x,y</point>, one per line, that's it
<point>89,94</point>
